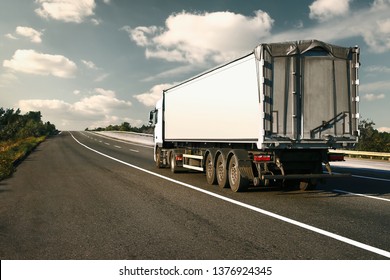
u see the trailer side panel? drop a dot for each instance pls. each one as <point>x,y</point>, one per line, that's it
<point>219,106</point>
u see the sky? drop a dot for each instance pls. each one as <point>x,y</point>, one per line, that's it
<point>92,63</point>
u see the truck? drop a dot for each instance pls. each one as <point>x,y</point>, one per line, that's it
<point>268,118</point>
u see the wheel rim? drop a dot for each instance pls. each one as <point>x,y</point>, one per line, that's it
<point>209,168</point>
<point>234,172</point>
<point>158,158</point>
<point>220,169</point>
<point>173,163</point>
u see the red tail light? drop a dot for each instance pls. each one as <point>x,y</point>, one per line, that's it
<point>179,157</point>
<point>336,157</point>
<point>262,158</point>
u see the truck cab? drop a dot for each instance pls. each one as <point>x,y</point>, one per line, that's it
<point>156,120</point>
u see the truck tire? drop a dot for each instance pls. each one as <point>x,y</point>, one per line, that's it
<point>211,176</point>
<point>309,185</point>
<point>173,164</point>
<point>221,171</point>
<point>158,158</point>
<point>237,182</point>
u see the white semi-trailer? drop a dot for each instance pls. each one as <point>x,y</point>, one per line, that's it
<point>266,118</point>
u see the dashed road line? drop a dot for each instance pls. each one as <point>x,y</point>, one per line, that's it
<point>124,141</point>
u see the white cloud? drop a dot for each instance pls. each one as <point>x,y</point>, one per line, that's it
<point>102,77</point>
<point>27,32</point>
<point>140,34</point>
<point>373,96</point>
<point>371,24</point>
<point>66,10</point>
<point>184,69</point>
<point>32,62</point>
<point>39,104</point>
<point>89,64</point>
<point>10,36</point>
<point>384,26</point>
<point>103,102</point>
<point>379,4</point>
<point>150,97</point>
<point>105,92</point>
<point>100,109</point>
<point>298,24</point>
<point>377,35</point>
<point>7,78</point>
<point>384,129</point>
<point>96,21</point>
<point>377,69</point>
<point>374,91</point>
<point>323,10</point>
<point>30,33</point>
<point>197,37</point>
<point>375,86</point>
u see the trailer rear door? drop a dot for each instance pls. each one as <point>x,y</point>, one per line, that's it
<point>309,91</point>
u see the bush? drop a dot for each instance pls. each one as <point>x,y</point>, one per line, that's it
<point>6,167</point>
<point>14,126</point>
<point>11,153</point>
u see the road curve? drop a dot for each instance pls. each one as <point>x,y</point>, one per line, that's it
<point>83,196</point>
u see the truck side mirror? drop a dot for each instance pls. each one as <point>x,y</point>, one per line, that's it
<point>151,116</point>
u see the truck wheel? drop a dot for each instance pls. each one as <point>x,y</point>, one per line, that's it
<point>311,184</point>
<point>158,158</point>
<point>173,163</point>
<point>237,182</point>
<point>308,185</point>
<point>210,170</point>
<point>221,171</point>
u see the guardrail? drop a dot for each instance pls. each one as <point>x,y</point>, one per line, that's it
<point>361,154</point>
<point>140,138</point>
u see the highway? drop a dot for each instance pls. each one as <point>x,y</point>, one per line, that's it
<point>83,196</point>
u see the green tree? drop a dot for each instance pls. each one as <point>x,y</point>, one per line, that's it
<point>15,126</point>
<point>125,126</point>
<point>371,139</point>
<point>10,123</point>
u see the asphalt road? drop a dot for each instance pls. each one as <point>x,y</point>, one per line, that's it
<point>89,197</point>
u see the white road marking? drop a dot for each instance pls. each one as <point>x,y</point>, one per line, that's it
<point>108,144</point>
<point>364,195</point>
<point>253,208</point>
<point>371,178</point>
<point>364,177</point>
<point>123,141</point>
<point>135,151</point>
<point>116,146</point>
<point>363,164</point>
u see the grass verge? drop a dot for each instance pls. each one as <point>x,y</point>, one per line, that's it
<point>11,153</point>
